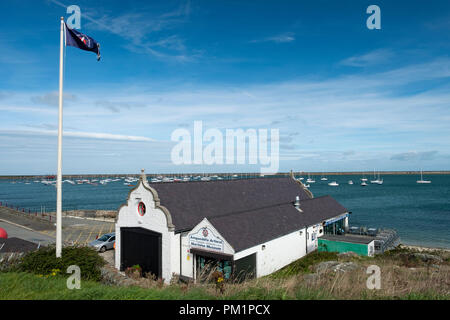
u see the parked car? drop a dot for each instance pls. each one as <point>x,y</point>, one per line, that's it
<point>105,242</point>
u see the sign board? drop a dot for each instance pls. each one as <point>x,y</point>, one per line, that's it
<point>204,238</point>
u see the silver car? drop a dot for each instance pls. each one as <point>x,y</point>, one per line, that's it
<point>105,242</point>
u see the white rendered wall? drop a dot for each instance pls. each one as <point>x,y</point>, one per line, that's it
<point>154,220</point>
<point>277,253</point>
<point>371,249</point>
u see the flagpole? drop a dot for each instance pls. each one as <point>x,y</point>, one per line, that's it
<point>59,175</point>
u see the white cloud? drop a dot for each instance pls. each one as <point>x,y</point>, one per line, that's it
<point>76,134</point>
<point>142,28</point>
<point>280,38</point>
<point>369,59</point>
<point>368,113</point>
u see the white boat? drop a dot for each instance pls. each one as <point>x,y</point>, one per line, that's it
<point>421,179</point>
<point>309,180</point>
<point>350,182</point>
<point>324,179</point>
<point>377,180</point>
<point>363,183</point>
<point>333,184</point>
<point>306,185</point>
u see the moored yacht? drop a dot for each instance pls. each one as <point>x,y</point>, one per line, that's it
<point>421,179</point>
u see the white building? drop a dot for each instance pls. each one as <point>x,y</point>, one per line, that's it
<point>249,227</point>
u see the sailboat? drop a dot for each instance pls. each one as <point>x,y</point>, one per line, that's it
<point>377,180</point>
<point>364,178</point>
<point>421,179</point>
<point>309,180</point>
<point>323,178</point>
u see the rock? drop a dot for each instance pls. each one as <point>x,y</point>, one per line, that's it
<point>112,276</point>
<point>349,254</point>
<point>426,257</point>
<point>325,266</point>
<point>346,266</point>
<point>310,277</point>
<point>336,266</point>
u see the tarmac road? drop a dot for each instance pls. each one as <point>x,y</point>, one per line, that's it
<point>74,230</point>
<point>25,234</point>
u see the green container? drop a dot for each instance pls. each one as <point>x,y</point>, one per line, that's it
<point>340,246</point>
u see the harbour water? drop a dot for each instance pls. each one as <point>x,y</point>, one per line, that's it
<point>419,212</point>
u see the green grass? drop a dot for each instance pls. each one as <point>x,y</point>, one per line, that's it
<point>283,284</point>
<point>26,286</point>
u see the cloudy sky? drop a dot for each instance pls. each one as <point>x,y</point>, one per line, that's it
<point>343,97</point>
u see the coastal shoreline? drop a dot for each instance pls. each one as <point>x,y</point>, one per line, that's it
<point>242,174</point>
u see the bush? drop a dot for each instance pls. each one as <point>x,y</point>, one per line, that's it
<point>44,261</point>
<point>134,272</point>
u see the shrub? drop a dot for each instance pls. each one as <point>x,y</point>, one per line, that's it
<point>44,262</point>
<point>134,271</point>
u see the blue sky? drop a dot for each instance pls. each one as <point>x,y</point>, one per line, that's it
<point>342,96</point>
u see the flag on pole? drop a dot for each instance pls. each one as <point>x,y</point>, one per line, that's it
<point>76,39</point>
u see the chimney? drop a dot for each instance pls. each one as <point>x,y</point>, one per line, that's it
<point>297,203</point>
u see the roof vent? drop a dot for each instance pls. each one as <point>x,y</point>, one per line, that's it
<point>297,203</point>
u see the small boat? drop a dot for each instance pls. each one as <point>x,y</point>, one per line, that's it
<point>333,184</point>
<point>421,179</point>
<point>306,185</point>
<point>363,183</point>
<point>364,178</point>
<point>350,182</point>
<point>309,180</point>
<point>377,180</point>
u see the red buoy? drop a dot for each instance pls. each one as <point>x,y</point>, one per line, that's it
<point>3,233</point>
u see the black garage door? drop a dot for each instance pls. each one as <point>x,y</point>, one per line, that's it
<point>143,247</point>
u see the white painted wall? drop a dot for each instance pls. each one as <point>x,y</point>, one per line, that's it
<point>371,249</point>
<point>277,253</point>
<point>154,220</point>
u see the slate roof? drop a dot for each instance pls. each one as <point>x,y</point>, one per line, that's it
<point>247,212</point>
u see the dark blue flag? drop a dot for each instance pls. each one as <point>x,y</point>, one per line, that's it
<point>76,39</point>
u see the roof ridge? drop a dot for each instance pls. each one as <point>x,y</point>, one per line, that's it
<point>221,180</point>
<point>250,210</point>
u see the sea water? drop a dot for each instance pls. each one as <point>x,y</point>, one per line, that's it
<point>419,212</point>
